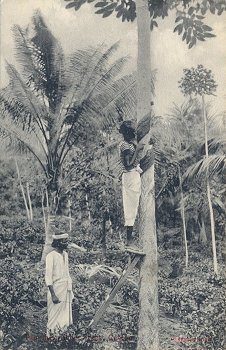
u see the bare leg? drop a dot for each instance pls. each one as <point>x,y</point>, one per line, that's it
<point>130,245</point>
<point>129,232</point>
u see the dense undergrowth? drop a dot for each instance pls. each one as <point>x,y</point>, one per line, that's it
<point>191,297</point>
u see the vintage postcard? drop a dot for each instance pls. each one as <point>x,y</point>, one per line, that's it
<point>112,174</point>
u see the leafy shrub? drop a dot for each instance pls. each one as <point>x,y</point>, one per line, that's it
<point>198,299</point>
<point>19,288</point>
<point>21,239</point>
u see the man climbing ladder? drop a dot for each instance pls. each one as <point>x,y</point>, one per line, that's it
<point>131,190</point>
<point>131,182</point>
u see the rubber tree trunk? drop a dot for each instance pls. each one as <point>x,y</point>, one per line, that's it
<point>212,224</point>
<point>148,286</point>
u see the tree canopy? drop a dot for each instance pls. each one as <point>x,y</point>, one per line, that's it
<point>189,21</point>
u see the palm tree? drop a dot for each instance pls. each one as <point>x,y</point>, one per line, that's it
<point>55,103</point>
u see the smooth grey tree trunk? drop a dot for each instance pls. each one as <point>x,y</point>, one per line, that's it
<point>182,211</point>
<point>212,222</point>
<point>202,235</point>
<point>22,191</point>
<point>148,287</point>
<point>48,234</point>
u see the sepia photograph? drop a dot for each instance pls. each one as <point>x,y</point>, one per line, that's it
<point>112,174</point>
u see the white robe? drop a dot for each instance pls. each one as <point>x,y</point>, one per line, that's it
<point>57,275</point>
<point>131,190</point>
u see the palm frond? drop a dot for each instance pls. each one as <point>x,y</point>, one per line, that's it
<point>48,58</point>
<point>79,68</point>
<point>20,91</point>
<point>22,141</point>
<point>106,77</point>
<point>218,142</point>
<point>23,48</point>
<point>217,123</point>
<point>179,119</point>
<point>14,109</point>
<point>101,64</point>
<point>213,165</point>
<point>117,90</point>
<point>100,110</point>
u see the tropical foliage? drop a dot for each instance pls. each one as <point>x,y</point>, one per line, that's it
<point>189,21</point>
<point>55,102</point>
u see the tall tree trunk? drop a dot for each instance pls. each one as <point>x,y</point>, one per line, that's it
<point>202,235</point>
<point>69,215</point>
<point>52,208</point>
<point>103,236</point>
<point>22,191</point>
<point>87,207</point>
<point>212,224</point>
<point>148,287</point>
<point>43,211</point>
<point>29,202</point>
<point>223,249</point>
<point>183,218</point>
<point>48,234</point>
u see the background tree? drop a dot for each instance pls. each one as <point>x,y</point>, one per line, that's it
<point>190,15</point>
<point>215,165</point>
<point>199,81</point>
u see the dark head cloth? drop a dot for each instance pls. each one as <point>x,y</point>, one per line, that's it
<point>127,125</point>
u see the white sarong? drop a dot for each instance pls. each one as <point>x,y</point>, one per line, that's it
<point>60,315</point>
<point>57,275</point>
<point>131,190</point>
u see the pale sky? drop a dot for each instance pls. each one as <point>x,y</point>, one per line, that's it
<point>76,29</point>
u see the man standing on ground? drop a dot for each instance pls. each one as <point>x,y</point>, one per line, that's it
<point>59,283</point>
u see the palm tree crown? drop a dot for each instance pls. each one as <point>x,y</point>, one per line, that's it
<point>55,102</point>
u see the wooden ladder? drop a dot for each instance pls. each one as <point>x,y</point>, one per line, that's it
<point>115,289</point>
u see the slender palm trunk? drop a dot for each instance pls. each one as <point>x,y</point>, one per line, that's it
<point>70,217</point>
<point>52,206</point>
<point>183,217</point>
<point>48,234</point>
<point>43,211</point>
<point>29,202</point>
<point>212,224</point>
<point>202,236</point>
<point>148,288</point>
<point>103,237</point>
<point>22,191</point>
<point>87,207</point>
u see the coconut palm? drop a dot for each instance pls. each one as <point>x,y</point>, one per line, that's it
<point>55,103</point>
